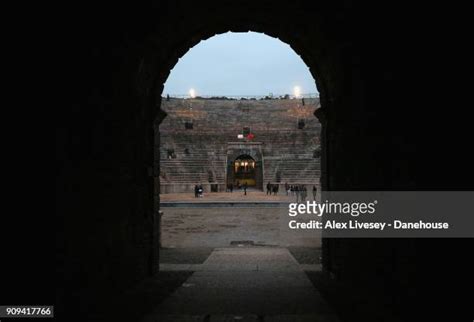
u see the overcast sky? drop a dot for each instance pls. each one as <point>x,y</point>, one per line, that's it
<point>240,64</point>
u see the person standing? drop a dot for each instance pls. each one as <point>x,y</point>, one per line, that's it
<point>245,188</point>
<point>315,192</point>
<point>269,188</point>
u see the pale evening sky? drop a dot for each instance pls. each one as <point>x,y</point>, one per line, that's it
<point>240,64</point>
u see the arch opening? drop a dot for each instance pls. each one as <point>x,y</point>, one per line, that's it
<point>244,170</point>
<point>130,62</point>
<point>245,129</point>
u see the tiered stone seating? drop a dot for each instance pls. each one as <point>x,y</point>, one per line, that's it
<point>292,171</point>
<point>200,154</point>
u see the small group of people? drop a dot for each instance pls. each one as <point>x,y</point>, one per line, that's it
<point>198,191</point>
<point>301,192</point>
<point>230,187</point>
<point>272,188</point>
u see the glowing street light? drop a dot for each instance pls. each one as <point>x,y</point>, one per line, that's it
<point>192,93</point>
<point>297,91</point>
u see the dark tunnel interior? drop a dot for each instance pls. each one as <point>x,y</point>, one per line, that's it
<point>385,126</point>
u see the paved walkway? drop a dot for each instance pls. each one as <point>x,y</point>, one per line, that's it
<point>246,284</point>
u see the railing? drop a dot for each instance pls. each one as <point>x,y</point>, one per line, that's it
<point>242,97</point>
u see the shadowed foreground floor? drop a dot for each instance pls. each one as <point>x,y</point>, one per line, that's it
<point>246,284</point>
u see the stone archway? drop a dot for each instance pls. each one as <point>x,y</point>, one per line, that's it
<point>243,171</point>
<point>122,54</point>
<point>130,59</point>
<point>156,65</point>
<point>253,151</point>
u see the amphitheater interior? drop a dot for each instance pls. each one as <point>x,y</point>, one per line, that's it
<point>200,141</point>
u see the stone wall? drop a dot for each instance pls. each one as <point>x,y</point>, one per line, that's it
<point>381,69</point>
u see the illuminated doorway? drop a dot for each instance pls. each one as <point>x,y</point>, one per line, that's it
<point>244,170</point>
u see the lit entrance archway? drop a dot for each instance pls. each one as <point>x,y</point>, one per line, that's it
<point>244,171</point>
